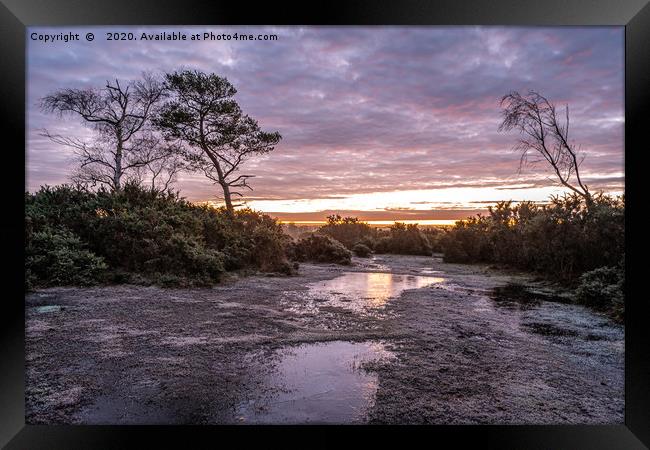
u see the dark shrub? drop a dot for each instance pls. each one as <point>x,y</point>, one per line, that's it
<point>454,251</point>
<point>56,257</point>
<point>320,248</point>
<point>361,250</point>
<point>171,281</point>
<point>369,241</point>
<point>399,239</point>
<point>435,236</point>
<point>468,241</point>
<point>264,239</point>
<point>602,288</point>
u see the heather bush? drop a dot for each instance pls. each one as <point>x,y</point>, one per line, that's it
<point>435,236</point>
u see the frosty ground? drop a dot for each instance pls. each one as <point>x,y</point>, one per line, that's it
<point>390,339</point>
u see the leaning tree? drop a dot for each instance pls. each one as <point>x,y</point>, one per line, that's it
<point>544,137</point>
<point>218,136</point>
<point>119,114</point>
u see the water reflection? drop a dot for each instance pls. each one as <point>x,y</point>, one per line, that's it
<point>317,383</point>
<point>48,308</point>
<point>367,289</point>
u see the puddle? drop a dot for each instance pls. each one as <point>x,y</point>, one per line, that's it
<point>552,316</point>
<point>360,290</point>
<point>317,383</point>
<point>47,309</point>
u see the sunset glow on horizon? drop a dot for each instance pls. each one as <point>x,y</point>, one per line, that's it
<point>381,123</point>
<point>381,222</point>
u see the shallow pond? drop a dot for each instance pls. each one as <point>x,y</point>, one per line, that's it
<point>317,383</point>
<point>47,309</point>
<point>360,290</point>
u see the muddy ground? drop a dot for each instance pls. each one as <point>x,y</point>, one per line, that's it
<point>448,349</point>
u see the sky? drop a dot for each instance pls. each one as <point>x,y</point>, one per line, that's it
<point>385,123</point>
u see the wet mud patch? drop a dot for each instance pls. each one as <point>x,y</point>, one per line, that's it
<point>519,296</point>
<point>317,383</point>
<point>595,337</point>
<point>547,329</point>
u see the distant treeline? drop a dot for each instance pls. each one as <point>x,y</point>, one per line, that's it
<point>399,238</point>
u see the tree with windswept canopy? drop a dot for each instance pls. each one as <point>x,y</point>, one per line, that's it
<point>219,137</point>
<point>119,114</point>
<point>544,138</point>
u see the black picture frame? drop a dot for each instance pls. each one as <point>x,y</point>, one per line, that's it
<point>16,15</point>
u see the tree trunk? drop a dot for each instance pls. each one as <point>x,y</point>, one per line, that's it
<point>227,198</point>
<point>118,166</point>
<point>222,180</point>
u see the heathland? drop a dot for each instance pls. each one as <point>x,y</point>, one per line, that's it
<point>142,307</point>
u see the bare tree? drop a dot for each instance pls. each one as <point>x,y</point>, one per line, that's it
<point>219,137</point>
<point>544,137</point>
<point>161,173</point>
<point>119,114</point>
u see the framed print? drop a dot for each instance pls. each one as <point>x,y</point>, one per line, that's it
<point>379,218</point>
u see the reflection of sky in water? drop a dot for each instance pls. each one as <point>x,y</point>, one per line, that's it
<point>367,289</point>
<point>318,383</point>
<point>48,309</point>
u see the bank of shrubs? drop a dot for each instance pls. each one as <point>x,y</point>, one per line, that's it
<point>75,236</point>
<point>565,240</point>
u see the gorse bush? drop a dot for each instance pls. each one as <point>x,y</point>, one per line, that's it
<point>151,233</point>
<point>603,289</point>
<point>563,240</point>
<point>361,250</point>
<point>57,257</point>
<point>320,248</point>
